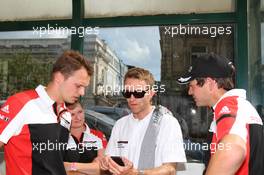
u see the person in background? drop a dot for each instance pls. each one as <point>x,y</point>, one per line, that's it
<point>82,134</point>
<point>85,145</point>
<point>238,143</point>
<point>35,124</point>
<point>149,140</point>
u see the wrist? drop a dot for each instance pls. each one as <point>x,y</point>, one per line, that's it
<point>73,166</point>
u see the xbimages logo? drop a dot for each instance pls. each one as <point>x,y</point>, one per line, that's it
<point>117,90</point>
<point>212,31</point>
<point>49,29</point>
<point>41,147</point>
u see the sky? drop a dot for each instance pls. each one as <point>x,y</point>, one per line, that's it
<point>137,46</point>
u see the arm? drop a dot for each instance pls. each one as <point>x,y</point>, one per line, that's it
<point>100,155</point>
<point>99,159</point>
<point>228,159</point>
<point>101,152</point>
<point>73,173</point>
<point>164,169</point>
<point>85,168</point>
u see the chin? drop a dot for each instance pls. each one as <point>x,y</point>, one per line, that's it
<point>76,126</point>
<point>135,111</point>
<point>201,105</point>
<point>71,101</point>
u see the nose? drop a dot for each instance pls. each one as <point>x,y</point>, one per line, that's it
<point>78,116</point>
<point>132,98</point>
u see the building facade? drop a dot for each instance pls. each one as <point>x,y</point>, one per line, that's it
<point>178,51</point>
<point>109,69</point>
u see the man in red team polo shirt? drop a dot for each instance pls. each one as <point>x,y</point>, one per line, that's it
<point>237,128</point>
<point>34,124</point>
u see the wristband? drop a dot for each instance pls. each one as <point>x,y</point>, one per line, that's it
<point>73,166</point>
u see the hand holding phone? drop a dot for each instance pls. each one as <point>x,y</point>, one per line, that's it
<point>118,160</point>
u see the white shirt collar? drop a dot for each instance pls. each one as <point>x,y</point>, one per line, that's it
<point>146,118</point>
<point>87,129</point>
<point>44,95</point>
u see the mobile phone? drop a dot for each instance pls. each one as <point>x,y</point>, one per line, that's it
<point>118,160</point>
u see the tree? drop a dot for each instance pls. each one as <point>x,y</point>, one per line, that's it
<point>26,72</point>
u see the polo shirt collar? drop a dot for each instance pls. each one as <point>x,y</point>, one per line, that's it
<point>233,92</point>
<point>87,129</point>
<point>44,95</point>
<point>146,118</point>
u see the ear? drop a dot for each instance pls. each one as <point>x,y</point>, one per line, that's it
<point>151,92</point>
<point>211,84</point>
<point>58,77</point>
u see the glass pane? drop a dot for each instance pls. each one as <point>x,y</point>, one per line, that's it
<point>166,51</point>
<point>256,55</point>
<point>26,59</point>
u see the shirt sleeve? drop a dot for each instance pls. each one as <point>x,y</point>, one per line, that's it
<point>103,138</point>
<point>99,143</point>
<point>10,120</point>
<point>228,120</point>
<point>170,142</point>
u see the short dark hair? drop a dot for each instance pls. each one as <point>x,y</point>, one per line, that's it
<point>225,83</point>
<point>69,62</point>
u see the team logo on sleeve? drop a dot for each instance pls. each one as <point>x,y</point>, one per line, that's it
<point>5,109</point>
<point>224,110</point>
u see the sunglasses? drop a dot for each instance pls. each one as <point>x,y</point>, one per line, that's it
<point>136,94</point>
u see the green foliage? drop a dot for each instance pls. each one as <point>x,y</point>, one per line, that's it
<point>26,72</point>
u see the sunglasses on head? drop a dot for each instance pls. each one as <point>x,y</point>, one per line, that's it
<point>136,94</point>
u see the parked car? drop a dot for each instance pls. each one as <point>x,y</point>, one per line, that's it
<point>114,112</point>
<point>100,122</point>
<point>194,150</point>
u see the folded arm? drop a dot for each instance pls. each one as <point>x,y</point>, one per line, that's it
<point>85,168</point>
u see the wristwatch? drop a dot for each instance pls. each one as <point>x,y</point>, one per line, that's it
<point>141,172</point>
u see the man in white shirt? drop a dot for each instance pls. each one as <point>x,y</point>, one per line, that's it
<point>149,140</point>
